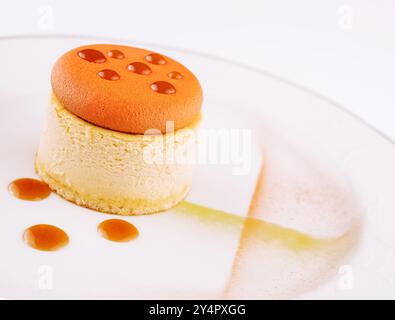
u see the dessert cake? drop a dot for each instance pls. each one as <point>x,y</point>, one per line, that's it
<point>118,118</point>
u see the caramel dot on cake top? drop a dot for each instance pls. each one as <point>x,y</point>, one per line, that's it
<point>175,75</point>
<point>116,54</point>
<point>92,55</point>
<point>139,67</point>
<point>108,74</point>
<point>155,58</point>
<point>163,87</point>
<point>126,89</point>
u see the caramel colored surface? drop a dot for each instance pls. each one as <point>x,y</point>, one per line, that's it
<point>29,189</point>
<point>139,89</point>
<point>45,237</point>
<point>118,230</point>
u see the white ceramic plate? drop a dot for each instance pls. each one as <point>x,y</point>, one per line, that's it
<point>184,253</point>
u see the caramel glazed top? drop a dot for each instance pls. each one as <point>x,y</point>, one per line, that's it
<point>126,89</point>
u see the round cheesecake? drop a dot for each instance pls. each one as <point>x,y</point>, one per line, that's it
<point>120,129</point>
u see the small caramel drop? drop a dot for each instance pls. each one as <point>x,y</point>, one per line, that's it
<point>155,58</point>
<point>175,75</point>
<point>118,230</point>
<point>108,74</point>
<point>29,189</point>
<point>92,55</point>
<point>139,68</point>
<point>45,237</point>
<point>116,54</point>
<point>163,87</point>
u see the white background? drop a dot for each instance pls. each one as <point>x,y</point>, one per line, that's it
<point>344,50</point>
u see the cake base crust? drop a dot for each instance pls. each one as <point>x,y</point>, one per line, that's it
<point>124,207</point>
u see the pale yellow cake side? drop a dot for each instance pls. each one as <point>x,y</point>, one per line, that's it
<point>114,172</point>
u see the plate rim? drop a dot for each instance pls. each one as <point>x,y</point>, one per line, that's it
<point>214,57</point>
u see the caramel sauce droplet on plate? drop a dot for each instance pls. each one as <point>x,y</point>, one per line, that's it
<point>117,230</point>
<point>29,189</point>
<point>45,237</point>
<point>92,55</point>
